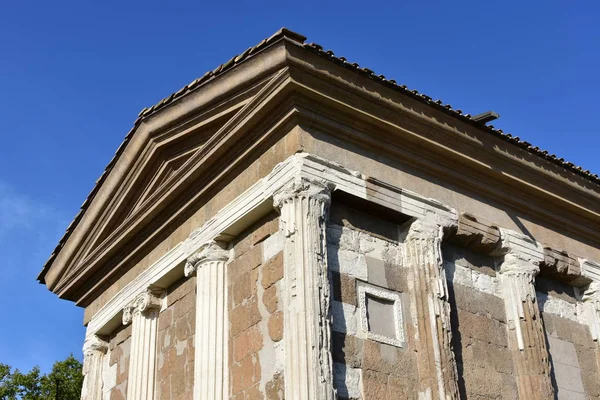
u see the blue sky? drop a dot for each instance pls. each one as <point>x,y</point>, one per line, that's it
<point>75,74</point>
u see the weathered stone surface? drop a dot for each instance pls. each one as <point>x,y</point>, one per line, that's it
<point>272,270</point>
<point>476,302</point>
<point>247,342</point>
<point>276,326</point>
<point>244,316</point>
<point>245,374</point>
<point>274,389</point>
<point>560,265</point>
<point>343,288</point>
<point>271,299</point>
<point>476,234</point>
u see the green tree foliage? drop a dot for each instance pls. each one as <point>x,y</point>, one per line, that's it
<point>62,383</point>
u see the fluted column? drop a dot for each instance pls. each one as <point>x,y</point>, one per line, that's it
<point>527,341</point>
<point>211,369</point>
<point>436,361</point>
<point>591,297</point>
<point>304,206</point>
<point>142,313</point>
<point>94,350</point>
<point>591,302</point>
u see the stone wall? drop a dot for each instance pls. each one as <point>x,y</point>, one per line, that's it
<point>363,251</point>
<point>255,312</point>
<point>573,353</point>
<point>116,366</point>
<point>479,331</point>
<point>175,347</point>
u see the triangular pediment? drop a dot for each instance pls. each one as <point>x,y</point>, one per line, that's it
<point>157,167</point>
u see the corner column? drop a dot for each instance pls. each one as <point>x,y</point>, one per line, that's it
<point>436,361</point>
<point>591,297</point>
<point>304,206</point>
<point>94,350</point>
<point>211,369</point>
<point>527,340</point>
<point>142,313</point>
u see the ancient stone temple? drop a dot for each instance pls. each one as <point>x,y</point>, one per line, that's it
<point>292,225</point>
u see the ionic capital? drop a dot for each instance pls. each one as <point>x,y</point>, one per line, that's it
<point>421,230</point>
<point>210,251</point>
<point>94,345</point>
<point>514,265</point>
<point>148,300</point>
<point>93,349</point>
<point>302,187</point>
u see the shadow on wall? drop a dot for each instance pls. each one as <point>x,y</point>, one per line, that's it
<point>456,335</point>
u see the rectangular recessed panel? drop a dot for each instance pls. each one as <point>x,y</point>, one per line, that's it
<point>380,316</point>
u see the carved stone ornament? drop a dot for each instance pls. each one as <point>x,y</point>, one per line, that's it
<point>423,255</point>
<point>93,345</point>
<point>210,251</point>
<point>303,205</point>
<point>147,300</point>
<point>591,300</point>
<point>522,256</point>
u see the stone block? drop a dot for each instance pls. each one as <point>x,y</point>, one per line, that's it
<point>375,384</point>
<point>468,258</point>
<point>482,328</point>
<point>346,349</point>
<point>396,277</point>
<point>180,289</point>
<point>275,389</point>
<point>165,319</point>
<point>245,262</point>
<point>164,388</point>
<point>272,270</point>
<point>244,316</point>
<point>253,393</point>
<point>245,373</point>
<point>275,326</point>
<point>373,359</point>
<point>344,288</point>
<point>349,217</point>
<point>268,226</point>
<point>270,299</point>
<point>376,271</point>
<point>242,288</point>
<point>488,356</point>
<point>247,342</point>
<point>184,305</point>
<point>477,302</point>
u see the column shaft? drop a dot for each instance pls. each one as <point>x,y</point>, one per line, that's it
<point>94,350</point>
<point>527,339</point>
<point>211,369</point>
<point>308,366</point>
<point>143,315</point>
<point>436,361</point>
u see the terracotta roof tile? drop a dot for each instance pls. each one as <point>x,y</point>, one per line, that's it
<point>317,49</point>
